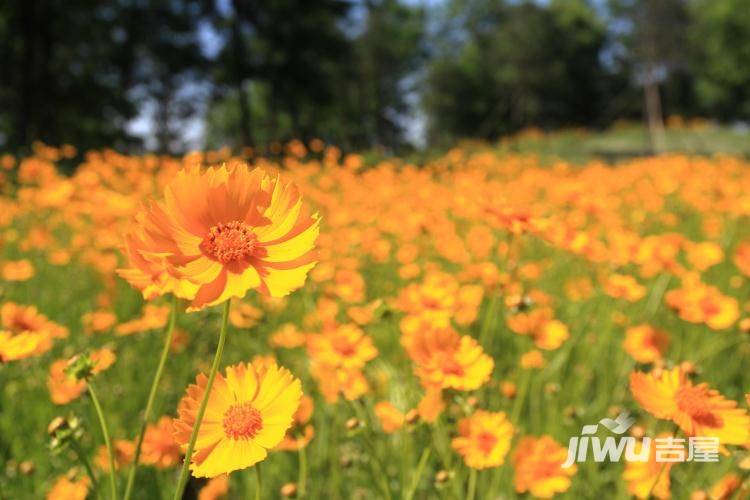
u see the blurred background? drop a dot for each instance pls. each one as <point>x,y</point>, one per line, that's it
<point>169,76</point>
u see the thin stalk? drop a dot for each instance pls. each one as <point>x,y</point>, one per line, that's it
<point>417,474</point>
<point>302,478</point>
<point>107,442</point>
<point>258,482</point>
<point>86,465</point>
<point>472,488</point>
<point>151,398</point>
<point>520,399</point>
<point>182,482</point>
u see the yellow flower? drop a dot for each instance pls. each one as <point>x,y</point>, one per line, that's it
<point>249,410</point>
<point>538,465</point>
<point>483,439</point>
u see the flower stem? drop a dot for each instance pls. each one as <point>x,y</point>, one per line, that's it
<point>181,483</point>
<point>417,474</point>
<point>258,482</point>
<point>472,488</point>
<point>151,398</point>
<point>86,465</point>
<point>107,442</point>
<point>302,478</point>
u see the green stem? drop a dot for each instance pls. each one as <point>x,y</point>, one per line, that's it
<point>520,399</point>
<point>472,488</point>
<point>489,320</point>
<point>151,399</point>
<point>302,478</point>
<point>417,474</point>
<point>107,442</point>
<point>182,482</point>
<point>86,465</point>
<point>258,482</point>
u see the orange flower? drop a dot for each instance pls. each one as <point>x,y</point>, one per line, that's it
<point>69,489</point>
<point>25,332</point>
<point>538,465</point>
<point>224,231</point>
<point>63,388</point>
<point>447,360</point>
<point>18,270</point>
<point>532,359</point>
<point>696,409</point>
<point>287,337</point>
<point>645,343</point>
<point>248,413</point>
<point>215,489</point>
<point>697,302</point>
<point>301,432</point>
<point>548,333</point>
<point>159,446</point>
<point>483,439</point>
<point>346,347</point>
<point>649,477</point>
<point>703,255</point>
<point>623,286</point>
<point>725,487</point>
<point>742,258</point>
<point>153,317</point>
<point>98,321</point>
<point>391,419</point>
<point>123,450</point>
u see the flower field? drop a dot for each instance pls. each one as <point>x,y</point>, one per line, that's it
<point>313,325</point>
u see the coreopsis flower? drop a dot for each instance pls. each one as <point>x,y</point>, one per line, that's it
<point>159,447</point>
<point>244,315</point>
<point>24,332</point>
<point>226,230</point>
<point>547,333</point>
<point>391,418</point>
<point>531,359</point>
<point>645,343</point>
<point>345,346</point>
<point>288,337</point>
<point>334,381</point>
<point>18,270</point>
<point>152,317</point>
<point>696,409</point>
<point>66,488</point>
<point>301,432</point>
<point>483,439</point>
<point>703,255</point>
<point>742,258</point>
<point>649,477</point>
<point>697,302</point>
<point>249,411</point>
<point>623,286</point>
<point>447,360</point>
<point>63,387</point>
<point>538,467</point>
<point>124,451</point>
<point>216,488</point>
<point>98,321</point>
<point>725,487</point>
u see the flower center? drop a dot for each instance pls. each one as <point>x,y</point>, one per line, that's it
<point>229,241</point>
<point>486,441</point>
<point>242,421</point>
<point>695,402</point>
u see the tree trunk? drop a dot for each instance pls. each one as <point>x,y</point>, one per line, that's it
<point>653,112</point>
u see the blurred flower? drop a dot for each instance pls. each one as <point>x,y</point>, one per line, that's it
<point>538,467</point>
<point>483,439</point>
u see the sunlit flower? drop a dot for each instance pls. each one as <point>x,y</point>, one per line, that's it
<point>346,347</point>
<point>249,410</point>
<point>25,332</point>
<point>391,419</point>
<point>483,439</point>
<point>69,489</point>
<point>696,409</point>
<point>224,231</point>
<point>538,467</point>
<point>19,270</point>
<point>623,286</point>
<point>159,447</point>
<point>645,343</point>
<point>649,477</point>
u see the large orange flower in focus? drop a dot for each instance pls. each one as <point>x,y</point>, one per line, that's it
<point>696,409</point>
<point>221,232</point>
